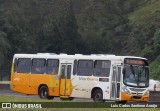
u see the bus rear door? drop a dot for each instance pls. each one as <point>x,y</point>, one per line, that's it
<point>65,81</point>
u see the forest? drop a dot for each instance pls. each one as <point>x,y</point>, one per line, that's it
<point>120,27</point>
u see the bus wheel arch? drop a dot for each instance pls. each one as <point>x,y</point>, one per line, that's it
<point>43,92</point>
<point>97,94</point>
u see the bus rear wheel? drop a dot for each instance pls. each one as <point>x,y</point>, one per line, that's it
<point>98,95</point>
<point>44,93</point>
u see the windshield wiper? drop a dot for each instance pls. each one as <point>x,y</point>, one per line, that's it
<point>141,69</point>
<point>131,67</point>
<point>133,72</point>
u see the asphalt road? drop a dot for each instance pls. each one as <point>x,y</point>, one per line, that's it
<point>11,93</point>
<point>5,90</point>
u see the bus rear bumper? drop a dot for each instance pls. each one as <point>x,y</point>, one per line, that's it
<point>133,97</point>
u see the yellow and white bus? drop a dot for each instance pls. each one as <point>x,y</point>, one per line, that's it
<point>97,76</point>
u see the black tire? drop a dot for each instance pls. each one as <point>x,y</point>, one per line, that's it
<point>43,93</point>
<point>98,95</point>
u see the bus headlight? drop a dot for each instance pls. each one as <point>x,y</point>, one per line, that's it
<point>126,90</point>
<point>147,92</point>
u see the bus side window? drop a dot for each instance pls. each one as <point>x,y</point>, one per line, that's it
<point>69,72</point>
<point>102,68</point>
<point>23,65</point>
<point>38,66</point>
<point>15,64</point>
<point>52,66</point>
<point>75,67</point>
<point>85,68</point>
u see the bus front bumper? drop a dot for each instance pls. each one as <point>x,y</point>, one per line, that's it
<point>134,97</point>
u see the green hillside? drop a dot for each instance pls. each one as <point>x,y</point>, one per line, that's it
<point>146,14</point>
<point>121,27</point>
<point>146,18</point>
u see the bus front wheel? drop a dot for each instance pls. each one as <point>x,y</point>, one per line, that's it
<point>98,95</point>
<point>44,93</point>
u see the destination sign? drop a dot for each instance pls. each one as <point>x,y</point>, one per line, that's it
<point>134,61</point>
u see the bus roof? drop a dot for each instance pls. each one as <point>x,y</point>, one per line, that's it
<point>76,56</point>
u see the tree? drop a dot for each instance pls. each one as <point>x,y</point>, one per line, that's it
<point>157,40</point>
<point>62,34</point>
<point>4,46</point>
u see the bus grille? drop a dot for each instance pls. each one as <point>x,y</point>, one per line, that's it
<point>137,93</point>
<point>137,90</point>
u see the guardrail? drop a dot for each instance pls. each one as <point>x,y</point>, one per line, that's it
<point>4,82</point>
<point>154,95</point>
<point>4,85</point>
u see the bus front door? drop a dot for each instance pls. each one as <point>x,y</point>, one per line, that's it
<point>65,81</point>
<point>116,82</point>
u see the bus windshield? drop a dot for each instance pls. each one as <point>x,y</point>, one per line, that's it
<point>136,73</point>
<point>137,76</point>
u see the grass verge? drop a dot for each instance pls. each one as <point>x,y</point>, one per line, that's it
<point>4,98</point>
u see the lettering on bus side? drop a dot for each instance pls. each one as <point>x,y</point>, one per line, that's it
<point>88,79</point>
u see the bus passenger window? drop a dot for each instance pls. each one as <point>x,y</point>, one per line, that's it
<point>23,65</point>
<point>15,64</point>
<point>69,72</point>
<point>38,66</point>
<point>102,68</point>
<point>75,67</point>
<point>85,68</point>
<point>52,66</point>
<point>63,69</point>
